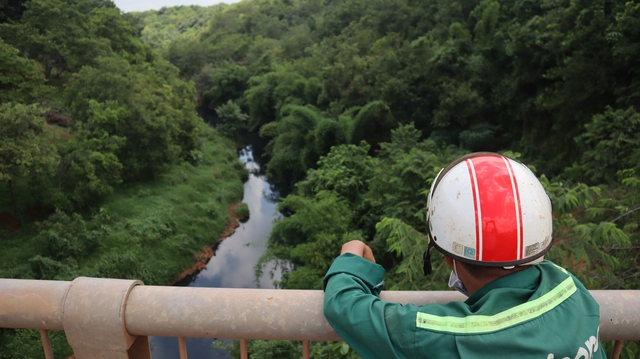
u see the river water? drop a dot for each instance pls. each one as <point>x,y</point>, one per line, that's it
<point>234,261</point>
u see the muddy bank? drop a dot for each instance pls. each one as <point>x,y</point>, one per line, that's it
<point>202,258</point>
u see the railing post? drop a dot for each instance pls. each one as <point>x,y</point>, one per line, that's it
<point>617,349</point>
<point>244,353</point>
<point>46,344</point>
<point>93,320</point>
<point>306,349</point>
<point>182,347</point>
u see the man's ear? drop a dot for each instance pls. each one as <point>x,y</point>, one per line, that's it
<point>449,261</point>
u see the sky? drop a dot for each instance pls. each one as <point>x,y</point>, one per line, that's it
<point>143,5</point>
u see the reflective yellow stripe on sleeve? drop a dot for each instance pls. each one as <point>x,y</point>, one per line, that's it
<point>474,324</point>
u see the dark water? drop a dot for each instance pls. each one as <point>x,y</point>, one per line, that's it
<point>234,262</point>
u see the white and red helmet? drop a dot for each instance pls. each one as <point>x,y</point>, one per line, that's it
<point>490,210</point>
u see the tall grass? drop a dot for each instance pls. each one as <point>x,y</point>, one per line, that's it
<point>163,223</point>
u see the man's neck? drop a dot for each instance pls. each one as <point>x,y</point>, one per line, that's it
<point>474,283</point>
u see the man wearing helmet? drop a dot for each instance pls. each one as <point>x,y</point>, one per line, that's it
<point>491,218</point>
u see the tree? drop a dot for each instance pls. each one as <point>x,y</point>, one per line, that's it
<point>610,145</point>
<point>20,79</point>
<point>585,233</point>
<point>158,28</point>
<point>568,72</point>
<point>56,34</point>
<point>66,238</point>
<point>268,94</point>
<point>187,54</point>
<point>108,24</point>
<point>232,118</point>
<point>373,123</point>
<point>64,35</point>
<point>26,149</point>
<point>624,34</point>
<point>147,106</point>
<point>221,85</point>
<point>345,171</point>
<point>406,168</point>
<point>309,236</point>
<point>11,10</point>
<point>90,167</point>
<point>345,81</point>
<point>292,148</point>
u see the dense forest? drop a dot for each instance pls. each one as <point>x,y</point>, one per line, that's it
<point>362,102</point>
<point>106,169</point>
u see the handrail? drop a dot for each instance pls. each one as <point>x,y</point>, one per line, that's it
<point>118,311</point>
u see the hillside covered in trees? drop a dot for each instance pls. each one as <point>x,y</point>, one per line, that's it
<point>362,101</point>
<point>106,169</point>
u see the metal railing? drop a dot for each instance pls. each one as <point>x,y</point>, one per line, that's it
<point>113,318</point>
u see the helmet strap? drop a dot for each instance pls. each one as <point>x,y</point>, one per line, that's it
<point>426,260</point>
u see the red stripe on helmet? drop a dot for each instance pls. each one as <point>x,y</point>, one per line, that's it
<point>496,210</point>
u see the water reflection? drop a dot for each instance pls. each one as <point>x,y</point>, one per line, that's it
<point>234,261</point>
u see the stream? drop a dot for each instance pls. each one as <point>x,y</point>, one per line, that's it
<point>233,264</point>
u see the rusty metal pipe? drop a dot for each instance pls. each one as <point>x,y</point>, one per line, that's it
<point>269,314</point>
<point>244,313</point>
<point>619,315</point>
<point>36,304</point>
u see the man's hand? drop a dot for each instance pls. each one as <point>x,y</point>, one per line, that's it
<point>358,248</point>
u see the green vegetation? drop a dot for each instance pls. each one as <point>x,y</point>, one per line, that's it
<point>159,28</point>
<point>106,169</point>
<point>262,349</point>
<point>147,231</point>
<point>362,102</point>
<point>242,211</point>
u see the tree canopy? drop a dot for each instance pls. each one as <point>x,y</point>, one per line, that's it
<point>361,102</point>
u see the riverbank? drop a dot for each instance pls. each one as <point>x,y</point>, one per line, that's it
<point>202,258</point>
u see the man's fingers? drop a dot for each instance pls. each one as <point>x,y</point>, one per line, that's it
<point>358,248</point>
<point>368,254</point>
<point>355,247</point>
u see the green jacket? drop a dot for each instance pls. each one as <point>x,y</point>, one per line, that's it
<point>542,312</point>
